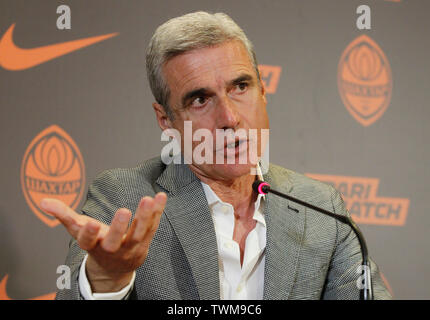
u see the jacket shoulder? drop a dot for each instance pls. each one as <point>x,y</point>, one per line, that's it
<point>302,186</point>
<point>148,171</point>
<point>131,182</point>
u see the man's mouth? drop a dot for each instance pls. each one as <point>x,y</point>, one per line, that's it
<point>235,147</point>
<point>234,144</point>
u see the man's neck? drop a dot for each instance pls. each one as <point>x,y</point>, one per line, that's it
<point>238,192</point>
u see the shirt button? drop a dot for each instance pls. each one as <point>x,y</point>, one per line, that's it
<point>225,209</point>
<point>228,245</point>
<point>239,288</point>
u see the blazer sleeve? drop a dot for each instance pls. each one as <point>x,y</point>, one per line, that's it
<point>105,196</point>
<point>341,281</point>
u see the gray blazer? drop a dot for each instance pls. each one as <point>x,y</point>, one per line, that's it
<point>308,255</point>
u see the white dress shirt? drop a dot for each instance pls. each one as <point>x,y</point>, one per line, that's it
<point>237,282</point>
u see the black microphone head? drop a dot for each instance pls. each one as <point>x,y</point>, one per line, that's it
<point>260,187</point>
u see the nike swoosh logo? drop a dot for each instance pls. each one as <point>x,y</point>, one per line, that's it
<point>15,58</point>
<point>4,296</point>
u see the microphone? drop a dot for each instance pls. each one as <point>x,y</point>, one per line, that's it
<point>366,291</point>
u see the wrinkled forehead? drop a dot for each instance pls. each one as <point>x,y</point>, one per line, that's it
<point>220,62</point>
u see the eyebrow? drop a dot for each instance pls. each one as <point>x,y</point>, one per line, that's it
<point>241,78</point>
<point>194,94</point>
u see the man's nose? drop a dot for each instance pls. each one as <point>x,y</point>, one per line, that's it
<point>228,116</point>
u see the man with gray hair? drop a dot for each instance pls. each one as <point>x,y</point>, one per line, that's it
<point>199,230</point>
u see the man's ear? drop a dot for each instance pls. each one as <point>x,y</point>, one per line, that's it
<point>162,118</point>
<point>263,90</point>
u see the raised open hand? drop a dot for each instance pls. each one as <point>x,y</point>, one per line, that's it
<point>114,251</point>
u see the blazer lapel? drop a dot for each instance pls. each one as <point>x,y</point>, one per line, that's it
<point>189,214</point>
<point>285,223</point>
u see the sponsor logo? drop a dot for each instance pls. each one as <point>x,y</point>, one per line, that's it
<point>363,203</point>
<point>364,80</point>
<point>52,167</point>
<point>270,76</point>
<point>15,58</point>
<point>4,295</point>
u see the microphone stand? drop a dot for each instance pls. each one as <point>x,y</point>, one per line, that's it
<point>366,291</point>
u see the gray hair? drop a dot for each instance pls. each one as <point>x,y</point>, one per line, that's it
<point>182,34</point>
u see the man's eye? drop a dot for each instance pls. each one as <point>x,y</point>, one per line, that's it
<point>241,87</point>
<point>199,102</point>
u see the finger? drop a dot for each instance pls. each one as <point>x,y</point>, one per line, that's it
<point>159,204</point>
<point>147,218</point>
<point>133,225</point>
<point>63,213</point>
<point>88,235</point>
<point>113,239</point>
<point>141,220</point>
